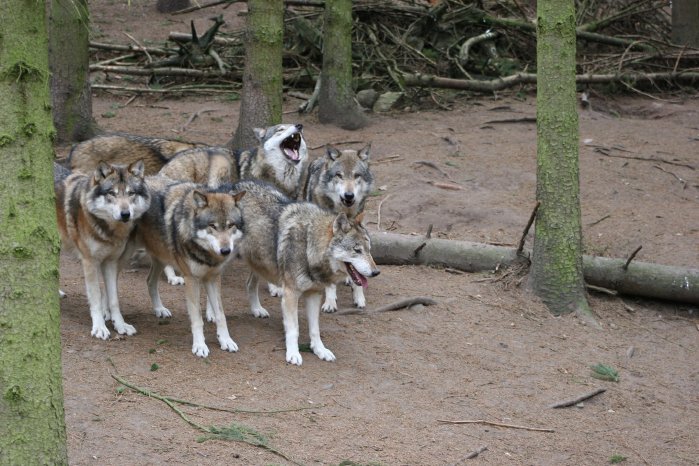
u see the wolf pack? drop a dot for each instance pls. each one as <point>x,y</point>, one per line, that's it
<point>196,209</point>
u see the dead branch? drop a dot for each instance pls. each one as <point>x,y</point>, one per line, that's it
<point>633,254</point>
<point>576,400</point>
<point>184,37</point>
<point>496,424</point>
<point>402,304</point>
<point>682,181</point>
<point>520,247</point>
<point>128,48</point>
<point>645,159</point>
<point>463,52</point>
<point>194,117</point>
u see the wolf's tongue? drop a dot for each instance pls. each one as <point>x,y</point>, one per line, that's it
<point>357,277</point>
<point>291,153</point>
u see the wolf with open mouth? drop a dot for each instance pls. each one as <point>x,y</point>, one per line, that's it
<point>281,158</point>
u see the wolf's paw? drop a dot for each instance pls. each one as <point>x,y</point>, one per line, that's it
<point>125,329</point>
<point>260,312</point>
<point>175,280</point>
<point>359,301</point>
<point>200,350</point>
<point>227,344</point>
<point>294,357</point>
<point>275,290</point>
<point>329,307</point>
<point>100,331</point>
<point>61,294</point>
<point>162,312</point>
<point>323,353</point>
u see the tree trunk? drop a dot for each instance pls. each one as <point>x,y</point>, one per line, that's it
<point>685,22</point>
<point>557,268</point>
<point>32,430</point>
<point>261,104</point>
<point>643,279</point>
<point>69,61</point>
<point>336,102</point>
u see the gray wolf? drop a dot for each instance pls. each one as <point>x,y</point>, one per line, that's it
<point>304,248</point>
<point>96,215</point>
<point>281,158</point>
<point>195,229</point>
<point>341,181</point>
<point>211,166</point>
<point>123,148</point>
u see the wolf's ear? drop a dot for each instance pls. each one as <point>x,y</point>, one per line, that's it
<point>238,196</point>
<point>137,168</point>
<point>331,152</point>
<point>364,153</point>
<point>259,133</point>
<point>200,200</point>
<point>102,171</point>
<point>341,224</point>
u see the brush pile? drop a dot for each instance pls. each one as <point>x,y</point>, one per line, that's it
<point>398,44</point>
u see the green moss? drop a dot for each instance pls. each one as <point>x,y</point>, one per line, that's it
<point>6,140</point>
<point>21,252</point>
<point>14,394</point>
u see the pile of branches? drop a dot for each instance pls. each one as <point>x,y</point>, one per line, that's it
<point>401,45</point>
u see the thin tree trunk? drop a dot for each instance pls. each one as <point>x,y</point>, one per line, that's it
<point>557,268</point>
<point>336,101</point>
<point>69,29</point>
<point>685,22</point>
<point>32,426</point>
<point>261,103</point>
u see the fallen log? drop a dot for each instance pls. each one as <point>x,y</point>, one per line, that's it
<point>496,84</point>
<point>639,279</point>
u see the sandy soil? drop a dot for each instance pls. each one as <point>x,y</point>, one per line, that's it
<point>485,352</point>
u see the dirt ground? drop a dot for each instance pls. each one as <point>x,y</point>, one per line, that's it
<point>483,353</point>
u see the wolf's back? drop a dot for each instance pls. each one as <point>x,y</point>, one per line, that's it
<point>122,148</point>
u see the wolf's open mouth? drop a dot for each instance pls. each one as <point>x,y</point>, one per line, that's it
<point>347,203</point>
<point>291,146</point>
<point>357,278</point>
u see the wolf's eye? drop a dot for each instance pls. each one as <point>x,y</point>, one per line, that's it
<point>111,193</point>
<point>212,226</point>
<point>357,176</point>
<point>358,250</point>
<point>338,175</point>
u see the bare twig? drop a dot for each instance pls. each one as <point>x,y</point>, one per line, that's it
<point>434,166</point>
<point>520,247</point>
<point>497,424</point>
<point>378,212</point>
<point>633,254</point>
<point>682,181</point>
<point>475,453</point>
<point>193,117</point>
<point>645,159</point>
<point>576,400</point>
<point>463,51</point>
<point>141,47</point>
<point>402,304</point>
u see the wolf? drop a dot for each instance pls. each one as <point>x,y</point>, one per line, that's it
<point>211,166</point>
<point>304,248</point>
<point>341,181</point>
<point>195,229</point>
<point>125,148</point>
<point>96,215</point>
<point>281,158</point>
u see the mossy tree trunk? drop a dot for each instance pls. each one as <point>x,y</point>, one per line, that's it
<point>69,57</point>
<point>32,426</point>
<point>261,103</point>
<point>336,99</point>
<point>685,22</point>
<point>557,268</point>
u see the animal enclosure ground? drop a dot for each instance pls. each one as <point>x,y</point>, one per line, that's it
<point>487,351</point>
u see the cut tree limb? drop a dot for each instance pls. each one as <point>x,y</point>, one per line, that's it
<point>640,279</point>
<point>496,84</point>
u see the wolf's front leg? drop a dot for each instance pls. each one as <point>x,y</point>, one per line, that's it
<point>313,313</point>
<point>330,304</point>
<point>156,268</point>
<point>110,271</point>
<point>254,297</point>
<point>95,298</point>
<point>172,277</point>
<point>192,289</point>
<point>213,292</point>
<point>290,307</point>
<point>358,296</point>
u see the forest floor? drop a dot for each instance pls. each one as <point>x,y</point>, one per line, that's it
<point>488,351</point>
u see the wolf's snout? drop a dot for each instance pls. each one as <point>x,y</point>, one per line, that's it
<point>225,251</point>
<point>125,215</point>
<point>349,196</point>
<point>299,126</point>
<point>375,272</point>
